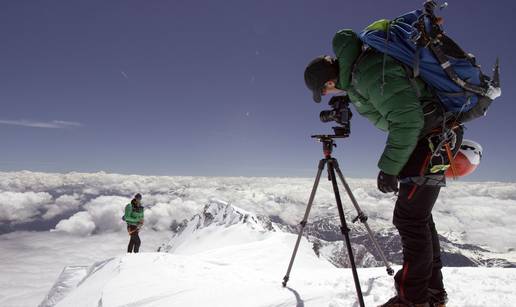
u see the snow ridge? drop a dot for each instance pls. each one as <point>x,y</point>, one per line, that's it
<point>70,277</point>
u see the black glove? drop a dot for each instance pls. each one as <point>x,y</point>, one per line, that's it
<point>387,183</point>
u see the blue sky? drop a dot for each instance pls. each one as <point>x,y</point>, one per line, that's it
<point>207,87</point>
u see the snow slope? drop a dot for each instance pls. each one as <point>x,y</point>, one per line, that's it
<point>247,268</point>
<point>253,278</point>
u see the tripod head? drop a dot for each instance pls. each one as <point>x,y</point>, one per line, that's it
<point>328,142</point>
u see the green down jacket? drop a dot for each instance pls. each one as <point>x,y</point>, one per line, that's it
<point>381,91</point>
<point>133,215</point>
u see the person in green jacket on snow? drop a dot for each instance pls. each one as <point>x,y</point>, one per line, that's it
<point>134,218</point>
<point>379,88</point>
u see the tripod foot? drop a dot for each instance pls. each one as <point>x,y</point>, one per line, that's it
<point>285,280</point>
<point>390,271</point>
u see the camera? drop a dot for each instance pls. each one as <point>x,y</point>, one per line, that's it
<point>340,113</point>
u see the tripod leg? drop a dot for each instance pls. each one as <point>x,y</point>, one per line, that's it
<point>345,230</point>
<point>363,218</point>
<point>305,218</point>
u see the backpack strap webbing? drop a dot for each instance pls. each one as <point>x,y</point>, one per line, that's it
<point>448,69</point>
<point>433,37</point>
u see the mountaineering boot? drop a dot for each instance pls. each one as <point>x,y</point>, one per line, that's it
<point>437,297</point>
<point>399,302</point>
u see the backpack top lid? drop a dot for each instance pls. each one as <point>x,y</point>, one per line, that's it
<point>398,39</point>
<point>347,46</point>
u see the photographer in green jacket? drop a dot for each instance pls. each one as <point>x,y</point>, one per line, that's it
<point>134,218</point>
<point>380,89</point>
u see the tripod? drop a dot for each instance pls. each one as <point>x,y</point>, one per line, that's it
<point>333,167</point>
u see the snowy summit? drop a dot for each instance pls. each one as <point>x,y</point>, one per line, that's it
<point>225,256</point>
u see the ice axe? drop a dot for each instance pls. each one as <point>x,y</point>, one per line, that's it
<point>496,73</point>
<point>135,230</point>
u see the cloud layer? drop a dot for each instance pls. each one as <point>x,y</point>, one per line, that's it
<point>90,204</point>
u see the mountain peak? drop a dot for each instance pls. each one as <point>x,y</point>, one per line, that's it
<point>217,218</point>
<point>221,213</point>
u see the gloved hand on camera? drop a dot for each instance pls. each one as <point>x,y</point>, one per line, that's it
<point>387,183</point>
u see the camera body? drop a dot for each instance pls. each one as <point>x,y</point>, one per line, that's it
<point>340,113</point>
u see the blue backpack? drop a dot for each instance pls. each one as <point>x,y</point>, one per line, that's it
<point>417,40</point>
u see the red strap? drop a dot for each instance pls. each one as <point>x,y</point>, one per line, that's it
<point>403,279</point>
<point>411,194</point>
<point>450,160</point>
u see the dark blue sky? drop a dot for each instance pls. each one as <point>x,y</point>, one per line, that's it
<point>207,87</point>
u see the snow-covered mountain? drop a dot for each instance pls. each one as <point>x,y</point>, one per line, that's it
<point>326,232</point>
<point>215,227</point>
<point>325,236</point>
<point>225,256</point>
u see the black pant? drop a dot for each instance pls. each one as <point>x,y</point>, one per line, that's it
<point>134,242</point>
<point>413,219</point>
<point>421,250</point>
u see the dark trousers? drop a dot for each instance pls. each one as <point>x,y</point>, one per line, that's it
<point>421,250</point>
<point>413,219</point>
<point>134,242</point>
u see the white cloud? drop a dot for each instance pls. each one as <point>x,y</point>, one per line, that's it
<point>62,204</point>
<point>106,212</point>
<point>22,207</point>
<point>161,215</point>
<point>79,224</point>
<point>55,124</point>
<point>103,214</point>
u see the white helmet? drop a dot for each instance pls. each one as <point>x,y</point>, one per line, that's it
<point>466,160</point>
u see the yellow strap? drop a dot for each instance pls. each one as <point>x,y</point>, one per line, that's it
<point>439,168</point>
<point>431,145</point>
<point>382,25</point>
